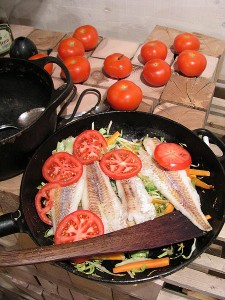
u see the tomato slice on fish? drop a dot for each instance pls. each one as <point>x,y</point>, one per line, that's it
<point>89,146</point>
<point>172,156</point>
<point>44,200</point>
<point>120,164</point>
<point>78,225</point>
<point>63,168</point>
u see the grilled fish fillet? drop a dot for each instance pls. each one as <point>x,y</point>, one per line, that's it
<point>136,200</point>
<point>100,198</point>
<point>67,201</point>
<point>174,185</point>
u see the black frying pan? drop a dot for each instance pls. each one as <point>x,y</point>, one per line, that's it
<point>135,125</point>
<point>25,85</point>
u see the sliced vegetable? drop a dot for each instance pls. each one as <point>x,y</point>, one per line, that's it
<point>197,172</point>
<point>44,200</point>
<point>146,264</point>
<point>172,156</point>
<point>169,208</point>
<point>202,184</point>
<point>120,164</point>
<point>89,146</point>
<point>78,225</point>
<point>113,137</point>
<point>63,168</point>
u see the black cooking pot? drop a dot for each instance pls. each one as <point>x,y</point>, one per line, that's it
<point>25,85</point>
<point>135,125</point>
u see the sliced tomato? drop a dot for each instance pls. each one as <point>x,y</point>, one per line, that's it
<point>79,225</point>
<point>89,146</point>
<point>172,156</point>
<point>120,164</point>
<point>44,200</point>
<point>63,168</point>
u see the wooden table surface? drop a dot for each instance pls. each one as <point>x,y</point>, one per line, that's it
<point>202,279</point>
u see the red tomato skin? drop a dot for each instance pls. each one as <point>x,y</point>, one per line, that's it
<point>157,72</point>
<point>186,41</point>
<point>124,95</point>
<point>79,68</point>
<point>172,156</point>
<point>191,63</point>
<point>48,67</point>
<point>87,35</point>
<point>70,47</point>
<point>46,192</point>
<point>117,66</point>
<point>57,165</point>
<point>153,49</point>
<point>90,138</point>
<point>74,221</point>
<point>118,159</point>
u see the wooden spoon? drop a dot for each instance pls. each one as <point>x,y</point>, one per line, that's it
<point>168,229</point>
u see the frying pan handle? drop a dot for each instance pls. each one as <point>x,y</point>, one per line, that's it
<point>64,121</point>
<point>62,92</point>
<point>212,139</point>
<point>12,223</point>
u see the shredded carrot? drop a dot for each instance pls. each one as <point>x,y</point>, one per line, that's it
<point>148,264</point>
<point>208,217</point>
<point>111,256</point>
<point>113,138</point>
<point>202,184</point>
<point>159,201</point>
<point>197,172</point>
<point>169,208</point>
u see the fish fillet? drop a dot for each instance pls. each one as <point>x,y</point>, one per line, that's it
<point>176,186</point>
<point>136,200</point>
<point>100,198</point>
<point>67,201</point>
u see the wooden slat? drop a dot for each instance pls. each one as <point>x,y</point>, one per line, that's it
<point>198,281</point>
<point>168,295</point>
<point>211,262</point>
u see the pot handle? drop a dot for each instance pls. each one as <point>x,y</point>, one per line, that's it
<point>212,139</point>
<point>62,92</point>
<point>12,223</point>
<point>63,121</point>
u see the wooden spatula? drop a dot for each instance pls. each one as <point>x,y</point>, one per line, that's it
<point>168,229</point>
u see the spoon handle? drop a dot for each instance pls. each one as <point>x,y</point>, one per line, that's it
<point>6,126</point>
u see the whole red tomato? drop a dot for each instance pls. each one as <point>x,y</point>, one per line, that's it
<point>48,67</point>
<point>186,41</point>
<point>70,47</point>
<point>79,68</point>
<point>157,72</point>
<point>153,49</point>
<point>191,63</point>
<point>117,65</point>
<point>124,95</point>
<point>88,35</point>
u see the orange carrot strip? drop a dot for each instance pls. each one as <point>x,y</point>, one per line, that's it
<point>112,256</point>
<point>169,208</point>
<point>149,264</point>
<point>198,172</point>
<point>159,201</point>
<point>202,184</point>
<point>113,138</point>
<point>208,217</point>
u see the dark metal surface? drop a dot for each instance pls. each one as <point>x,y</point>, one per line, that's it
<point>25,85</point>
<point>135,125</point>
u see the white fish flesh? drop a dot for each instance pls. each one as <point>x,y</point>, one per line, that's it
<point>176,186</point>
<point>100,198</point>
<point>136,200</point>
<point>66,201</point>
